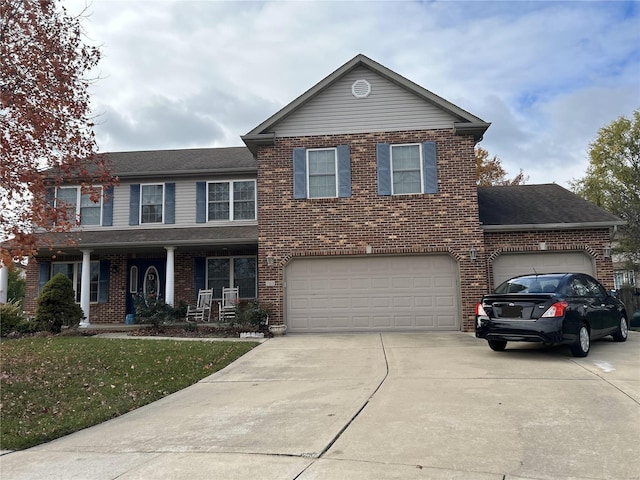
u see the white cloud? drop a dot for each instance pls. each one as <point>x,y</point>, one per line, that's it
<point>546,74</point>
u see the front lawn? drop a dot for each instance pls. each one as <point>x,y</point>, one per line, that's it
<point>50,387</point>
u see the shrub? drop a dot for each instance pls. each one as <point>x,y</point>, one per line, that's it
<point>57,305</point>
<point>10,317</point>
<point>254,314</point>
<point>152,310</point>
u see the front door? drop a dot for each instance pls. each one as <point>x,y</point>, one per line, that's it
<point>145,277</point>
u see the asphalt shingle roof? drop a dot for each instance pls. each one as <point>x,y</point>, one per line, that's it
<point>194,161</point>
<point>538,205</point>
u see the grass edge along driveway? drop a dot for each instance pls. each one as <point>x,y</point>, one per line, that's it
<point>54,386</point>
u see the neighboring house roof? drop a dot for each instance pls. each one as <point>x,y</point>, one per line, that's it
<point>180,163</point>
<point>539,207</point>
<point>467,123</point>
<point>152,237</point>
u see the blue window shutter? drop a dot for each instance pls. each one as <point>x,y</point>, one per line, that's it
<point>44,274</point>
<point>201,202</point>
<point>383,156</point>
<point>50,196</point>
<point>299,173</point>
<point>134,204</point>
<point>344,171</point>
<point>107,207</point>
<point>169,203</point>
<point>103,285</point>
<point>200,270</point>
<point>430,167</point>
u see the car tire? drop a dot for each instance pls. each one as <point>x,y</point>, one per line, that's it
<point>621,334</point>
<point>583,344</point>
<point>497,345</point>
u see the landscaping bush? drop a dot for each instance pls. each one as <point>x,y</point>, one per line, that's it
<point>57,305</point>
<point>10,317</point>
<point>151,309</point>
<point>253,314</point>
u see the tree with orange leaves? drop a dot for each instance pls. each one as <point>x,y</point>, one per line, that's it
<point>46,129</point>
<point>489,171</point>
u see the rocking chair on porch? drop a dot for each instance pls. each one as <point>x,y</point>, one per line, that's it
<point>227,307</point>
<point>201,311</point>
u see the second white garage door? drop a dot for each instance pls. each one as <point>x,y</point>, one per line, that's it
<point>513,264</point>
<point>372,294</point>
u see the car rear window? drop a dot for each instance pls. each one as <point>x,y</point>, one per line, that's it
<point>530,284</point>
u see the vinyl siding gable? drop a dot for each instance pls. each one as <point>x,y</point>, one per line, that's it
<point>388,107</point>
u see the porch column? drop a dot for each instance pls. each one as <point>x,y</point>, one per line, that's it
<point>4,283</point>
<point>170,280</point>
<point>85,287</point>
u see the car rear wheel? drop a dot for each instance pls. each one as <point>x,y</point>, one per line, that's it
<point>582,345</point>
<point>497,345</point>
<point>622,332</point>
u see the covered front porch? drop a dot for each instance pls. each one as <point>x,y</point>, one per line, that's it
<point>109,269</point>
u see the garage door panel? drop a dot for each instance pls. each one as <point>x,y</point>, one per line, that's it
<point>425,321</point>
<point>446,321</point>
<point>379,293</point>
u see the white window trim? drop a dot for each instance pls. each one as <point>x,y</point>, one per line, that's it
<point>231,201</point>
<point>142,185</point>
<point>420,163</point>
<point>231,274</point>
<point>335,168</point>
<point>76,280</point>
<point>78,189</point>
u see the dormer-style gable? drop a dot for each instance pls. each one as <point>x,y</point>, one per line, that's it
<point>364,96</point>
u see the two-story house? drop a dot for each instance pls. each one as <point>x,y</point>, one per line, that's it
<point>353,208</point>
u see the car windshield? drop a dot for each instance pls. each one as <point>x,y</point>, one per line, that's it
<point>530,284</point>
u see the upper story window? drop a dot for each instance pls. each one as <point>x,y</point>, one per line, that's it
<point>231,200</point>
<point>151,201</point>
<point>407,169</point>
<point>322,173</point>
<point>85,208</point>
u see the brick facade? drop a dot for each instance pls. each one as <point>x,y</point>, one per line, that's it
<point>446,222</point>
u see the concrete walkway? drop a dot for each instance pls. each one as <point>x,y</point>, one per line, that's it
<point>374,406</point>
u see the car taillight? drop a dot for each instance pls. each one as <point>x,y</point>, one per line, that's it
<point>555,310</point>
<point>480,310</point>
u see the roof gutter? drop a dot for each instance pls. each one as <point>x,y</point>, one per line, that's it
<point>254,140</point>
<point>550,226</point>
<point>476,129</point>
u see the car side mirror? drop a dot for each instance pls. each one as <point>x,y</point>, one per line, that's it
<point>614,293</point>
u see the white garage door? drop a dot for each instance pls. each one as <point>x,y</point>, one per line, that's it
<point>512,264</point>
<point>372,293</point>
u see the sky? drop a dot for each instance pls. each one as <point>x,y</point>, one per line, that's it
<point>546,74</point>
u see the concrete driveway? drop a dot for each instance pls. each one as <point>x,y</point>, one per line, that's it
<point>374,406</point>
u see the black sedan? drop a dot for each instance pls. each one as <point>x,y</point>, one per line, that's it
<point>554,309</point>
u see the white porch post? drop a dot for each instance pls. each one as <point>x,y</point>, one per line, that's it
<point>170,273</point>
<point>4,282</point>
<point>85,287</point>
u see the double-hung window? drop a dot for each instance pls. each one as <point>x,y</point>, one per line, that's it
<point>73,271</point>
<point>238,272</point>
<point>322,172</point>
<point>406,169</point>
<point>151,201</point>
<point>231,200</point>
<point>322,177</point>
<point>85,208</point>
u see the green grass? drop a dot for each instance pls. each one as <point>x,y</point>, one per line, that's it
<point>50,387</point>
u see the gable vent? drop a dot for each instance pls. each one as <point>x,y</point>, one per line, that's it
<point>361,89</point>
